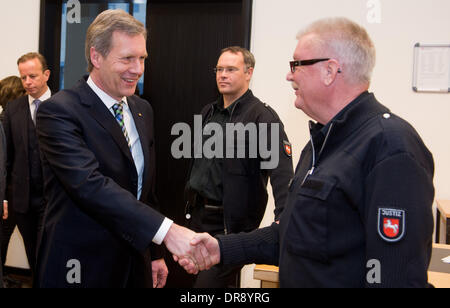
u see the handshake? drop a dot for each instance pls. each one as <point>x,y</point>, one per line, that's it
<point>193,251</point>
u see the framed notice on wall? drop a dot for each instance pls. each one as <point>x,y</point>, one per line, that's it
<point>431,68</point>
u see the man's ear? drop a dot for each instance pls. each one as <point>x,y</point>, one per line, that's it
<point>47,74</point>
<point>250,73</point>
<point>95,57</point>
<point>331,71</point>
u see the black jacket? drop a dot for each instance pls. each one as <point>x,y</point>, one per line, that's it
<point>91,185</point>
<point>16,123</point>
<point>366,206</point>
<point>244,182</point>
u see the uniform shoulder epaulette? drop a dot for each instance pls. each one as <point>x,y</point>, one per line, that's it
<point>267,106</point>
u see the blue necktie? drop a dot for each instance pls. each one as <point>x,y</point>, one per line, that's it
<point>36,103</point>
<point>118,113</point>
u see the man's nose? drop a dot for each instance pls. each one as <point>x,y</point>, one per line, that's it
<point>290,77</point>
<point>137,67</point>
<point>224,75</point>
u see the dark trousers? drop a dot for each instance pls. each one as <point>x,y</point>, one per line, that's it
<point>219,276</point>
<point>8,226</point>
<point>30,225</point>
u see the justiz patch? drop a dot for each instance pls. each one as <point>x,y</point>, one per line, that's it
<point>391,224</point>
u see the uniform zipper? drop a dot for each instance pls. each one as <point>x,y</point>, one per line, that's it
<point>225,225</point>
<point>314,161</point>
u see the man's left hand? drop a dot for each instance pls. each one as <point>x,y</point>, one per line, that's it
<point>159,273</point>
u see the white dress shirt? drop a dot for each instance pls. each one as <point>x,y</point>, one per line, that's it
<point>135,147</point>
<point>44,97</point>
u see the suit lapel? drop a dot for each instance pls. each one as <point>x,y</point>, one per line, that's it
<point>104,117</point>
<point>24,115</point>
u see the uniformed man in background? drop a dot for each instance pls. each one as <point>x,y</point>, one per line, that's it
<point>359,209</point>
<point>228,194</point>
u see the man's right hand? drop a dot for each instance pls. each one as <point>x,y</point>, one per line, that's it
<point>178,242</point>
<point>207,242</point>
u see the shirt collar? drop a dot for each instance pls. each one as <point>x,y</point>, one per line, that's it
<point>47,94</point>
<point>219,105</point>
<point>105,98</point>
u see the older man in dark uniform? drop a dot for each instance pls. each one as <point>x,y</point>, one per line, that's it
<point>359,209</point>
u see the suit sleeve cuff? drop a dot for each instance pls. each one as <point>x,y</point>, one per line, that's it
<point>162,232</point>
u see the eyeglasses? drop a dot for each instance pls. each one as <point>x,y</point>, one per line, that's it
<point>220,70</point>
<point>231,70</point>
<point>294,64</point>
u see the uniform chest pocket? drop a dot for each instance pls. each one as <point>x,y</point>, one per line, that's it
<point>307,231</point>
<point>317,188</point>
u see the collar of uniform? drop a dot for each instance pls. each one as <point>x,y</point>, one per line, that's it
<point>47,94</point>
<point>104,97</point>
<point>351,117</point>
<point>219,105</point>
<point>316,128</point>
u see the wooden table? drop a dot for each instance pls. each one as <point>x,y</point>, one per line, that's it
<point>443,213</point>
<point>438,272</point>
<point>268,274</point>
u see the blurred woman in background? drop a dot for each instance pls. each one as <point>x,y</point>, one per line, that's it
<point>10,89</point>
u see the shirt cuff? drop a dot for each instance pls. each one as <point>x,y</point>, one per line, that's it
<point>162,232</point>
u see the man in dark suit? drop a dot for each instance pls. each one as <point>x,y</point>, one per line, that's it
<point>98,156</point>
<point>2,181</point>
<point>25,184</point>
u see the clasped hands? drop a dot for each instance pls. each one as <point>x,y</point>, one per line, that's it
<point>193,251</point>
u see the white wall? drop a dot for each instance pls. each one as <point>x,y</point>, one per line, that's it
<point>403,23</point>
<point>19,24</point>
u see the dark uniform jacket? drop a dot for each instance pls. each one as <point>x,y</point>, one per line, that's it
<point>244,182</point>
<point>362,217</point>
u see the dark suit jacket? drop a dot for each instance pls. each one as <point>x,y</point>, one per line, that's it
<point>90,183</point>
<point>16,118</point>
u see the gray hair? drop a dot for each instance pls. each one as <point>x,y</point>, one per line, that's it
<point>347,42</point>
<point>100,32</point>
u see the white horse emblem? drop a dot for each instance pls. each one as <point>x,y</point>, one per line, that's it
<point>393,227</point>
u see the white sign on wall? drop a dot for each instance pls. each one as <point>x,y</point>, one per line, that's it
<point>431,68</point>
